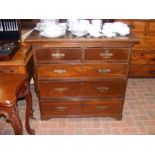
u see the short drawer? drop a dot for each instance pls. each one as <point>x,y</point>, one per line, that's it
<point>143,44</point>
<point>106,54</point>
<point>151,27</point>
<point>59,108</point>
<point>143,57</point>
<point>62,108</point>
<point>53,55</point>
<point>142,70</point>
<point>81,70</point>
<point>102,107</point>
<point>82,89</point>
<point>9,70</point>
<point>138,26</point>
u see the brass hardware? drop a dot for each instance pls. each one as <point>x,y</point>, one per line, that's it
<point>57,55</point>
<point>60,90</point>
<point>101,107</point>
<point>61,108</point>
<point>82,83</point>
<point>82,69</point>
<point>59,71</point>
<point>106,54</point>
<point>104,71</point>
<point>103,89</point>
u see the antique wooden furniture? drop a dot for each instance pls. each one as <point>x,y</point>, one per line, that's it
<point>143,54</point>
<point>13,87</point>
<point>78,77</point>
<point>20,63</point>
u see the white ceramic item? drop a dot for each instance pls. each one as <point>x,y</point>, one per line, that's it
<point>79,27</point>
<point>94,31</point>
<point>54,30</point>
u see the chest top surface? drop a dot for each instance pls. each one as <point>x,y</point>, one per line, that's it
<point>70,40</point>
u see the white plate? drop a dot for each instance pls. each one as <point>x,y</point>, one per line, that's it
<point>79,33</point>
<point>52,35</point>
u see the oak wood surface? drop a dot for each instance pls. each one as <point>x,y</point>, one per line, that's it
<point>12,88</point>
<point>69,69</point>
<point>142,57</point>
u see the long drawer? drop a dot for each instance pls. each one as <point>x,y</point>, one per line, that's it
<point>143,57</point>
<point>58,108</point>
<point>81,70</point>
<point>82,89</point>
<point>106,54</point>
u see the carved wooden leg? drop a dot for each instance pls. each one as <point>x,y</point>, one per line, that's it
<point>15,120</point>
<point>28,98</point>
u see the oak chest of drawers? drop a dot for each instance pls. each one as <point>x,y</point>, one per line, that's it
<point>80,77</point>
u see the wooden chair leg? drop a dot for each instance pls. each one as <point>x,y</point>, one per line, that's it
<point>28,98</point>
<point>15,120</point>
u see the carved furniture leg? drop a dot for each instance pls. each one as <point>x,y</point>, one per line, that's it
<point>28,98</point>
<point>15,120</point>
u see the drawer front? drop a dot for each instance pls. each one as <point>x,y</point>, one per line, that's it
<point>51,55</point>
<point>82,89</point>
<point>142,45</point>
<point>151,28</point>
<point>142,71</point>
<point>112,54</point>
<point>102,107</point>
<point>143,57</point>
<point>59,108</point>
<point>80,107</point>
<point>138,26</point>
<point>9,70</point>
<point>83,70</point>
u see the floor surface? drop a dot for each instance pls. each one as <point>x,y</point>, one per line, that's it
<point>138,116</point>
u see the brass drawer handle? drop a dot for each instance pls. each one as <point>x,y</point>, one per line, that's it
<point>60,71</point>
<point>104,71</point>
<point>101,107</point>
<point>103,89</point>
<point>57,55</point>
<point>61,108</point>
<point>106,54</point>
<point>60,90</point>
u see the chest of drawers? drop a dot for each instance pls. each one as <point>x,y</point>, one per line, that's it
<point>143,54</point>
<point>80,77</point>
